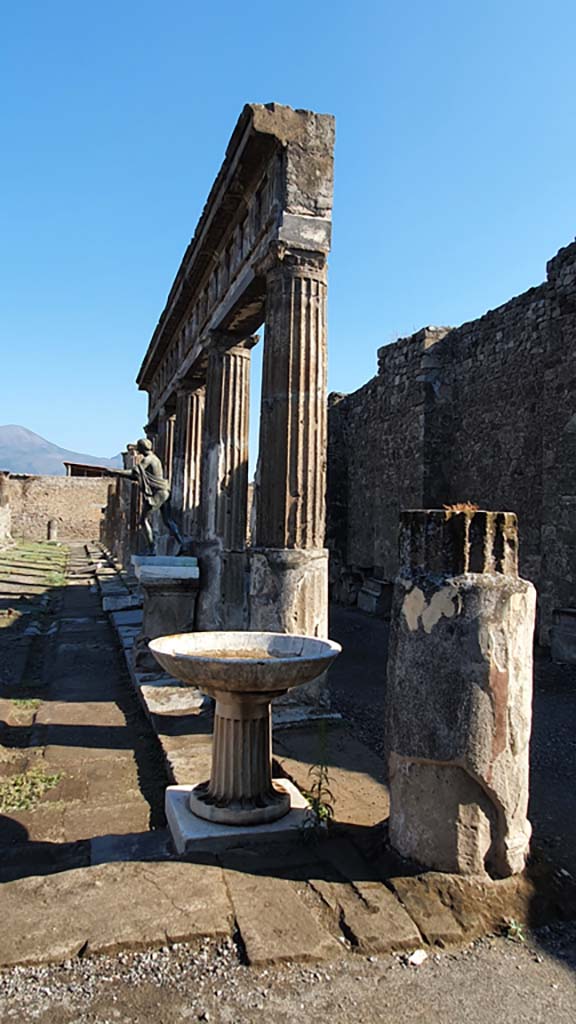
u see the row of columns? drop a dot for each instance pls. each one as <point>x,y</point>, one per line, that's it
<point>204,441</point>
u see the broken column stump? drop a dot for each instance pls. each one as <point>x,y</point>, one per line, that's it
<point>460,694</point>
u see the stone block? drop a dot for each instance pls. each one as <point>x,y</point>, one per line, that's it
<point>191,834</point>
<point>563,636</point>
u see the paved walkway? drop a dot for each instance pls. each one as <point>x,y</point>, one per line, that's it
<point>87,865</point>
<point>71,729</point>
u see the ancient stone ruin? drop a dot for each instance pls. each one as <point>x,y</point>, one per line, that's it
<point>459,693</point>
<point>258,257</point>
<point>459,698</point>
<point>484,413</point>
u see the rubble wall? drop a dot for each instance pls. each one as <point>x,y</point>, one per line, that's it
<point>486,413</point>
<point>75,503</point>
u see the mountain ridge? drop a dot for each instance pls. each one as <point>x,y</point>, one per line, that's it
<point>24,451</point>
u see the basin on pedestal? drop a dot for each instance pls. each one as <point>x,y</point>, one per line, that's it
<point>243,672</point>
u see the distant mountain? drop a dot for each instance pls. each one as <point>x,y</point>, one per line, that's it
<point>23,451</point>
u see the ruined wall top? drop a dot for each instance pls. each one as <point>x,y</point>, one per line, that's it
<point>450,542</point>
<point>272,196</point>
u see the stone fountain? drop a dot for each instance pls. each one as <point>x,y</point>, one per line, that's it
<point>243,672</point>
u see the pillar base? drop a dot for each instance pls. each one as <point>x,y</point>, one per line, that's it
<point>191,834</point>
<point>289,594</point>
<point>239,812</point>
<point>169,594</point>
<point>222,601</point>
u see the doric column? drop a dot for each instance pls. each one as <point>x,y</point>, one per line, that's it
<point>289,570</point>
<point>186,459</point>
<point>164,439</point>
<point>169,445</point>
<point>291,497</point>
<point>224,488</point>
<point>224,484</point>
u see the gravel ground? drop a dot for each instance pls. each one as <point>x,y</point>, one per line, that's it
<point>496,978</point>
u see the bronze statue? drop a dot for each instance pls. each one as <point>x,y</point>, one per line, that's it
<point>149,474</point>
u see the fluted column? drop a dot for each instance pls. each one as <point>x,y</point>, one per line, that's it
<point>224,489</point>
<point>224,484</point>
<point>291,499</point>
<point>289,577</point>
<point>169,446</point>
<point>186,460</point>
<point>164,440</point>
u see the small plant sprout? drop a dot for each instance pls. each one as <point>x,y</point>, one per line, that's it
<point>320,797</point>
<point>514,930</point>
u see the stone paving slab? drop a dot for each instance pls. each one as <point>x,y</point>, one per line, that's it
<point>275,923</point>
<point>453,908</point>
<point>125,617</point>
<point>372,917</point>
<point>111,907</point>
<point>121,602</point>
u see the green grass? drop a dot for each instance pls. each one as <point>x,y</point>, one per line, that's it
<point>55,579</point>
<point>26,703</point>
<point>23,792</point>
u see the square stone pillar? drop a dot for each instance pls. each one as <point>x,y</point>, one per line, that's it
<point>169,586</point>
<point>224,485</point>
<point>459,694</point>
<point>289,578</point>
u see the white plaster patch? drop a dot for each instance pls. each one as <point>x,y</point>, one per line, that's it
<point>413,605</point>
<point>416,607</point>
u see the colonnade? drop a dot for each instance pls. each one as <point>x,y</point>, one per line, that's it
<point>201,435</point>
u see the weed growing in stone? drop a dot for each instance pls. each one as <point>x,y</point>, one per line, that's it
<point>514,930</point>
<point>22,792</point>
<point>26,703</point>
<point>320,797</point>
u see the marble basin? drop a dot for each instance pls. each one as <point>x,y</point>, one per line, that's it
<point>243,671</point>
<point>244,662</point>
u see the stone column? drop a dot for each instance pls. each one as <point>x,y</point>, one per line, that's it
<point>164,440</point>
<point>169,445</point>
<point>289,578</point>
<point>459,694</point>
<point>224,484</point>
<point>186,459</point>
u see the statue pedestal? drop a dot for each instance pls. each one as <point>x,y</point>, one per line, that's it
<point>169,588</point>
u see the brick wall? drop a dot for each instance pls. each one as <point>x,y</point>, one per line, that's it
<point>74,502</point>
<point>485,412</point>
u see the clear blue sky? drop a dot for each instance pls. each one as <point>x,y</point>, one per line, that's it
<point>455,168</point>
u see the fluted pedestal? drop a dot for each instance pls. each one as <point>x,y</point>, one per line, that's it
<point>240,790</point>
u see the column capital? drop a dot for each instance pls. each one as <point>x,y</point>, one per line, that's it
<point>187,386</point>
<point>282,261</point>
<point>223,342</point>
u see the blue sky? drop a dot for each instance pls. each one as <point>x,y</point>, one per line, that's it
<point>455,166</point>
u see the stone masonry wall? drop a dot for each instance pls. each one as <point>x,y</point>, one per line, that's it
<point>5,517</point>
<point>485,413</point>
<point>375,465</point>
<point>75,503</point>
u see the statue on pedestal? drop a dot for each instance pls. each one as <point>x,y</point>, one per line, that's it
<point>149,474</point>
